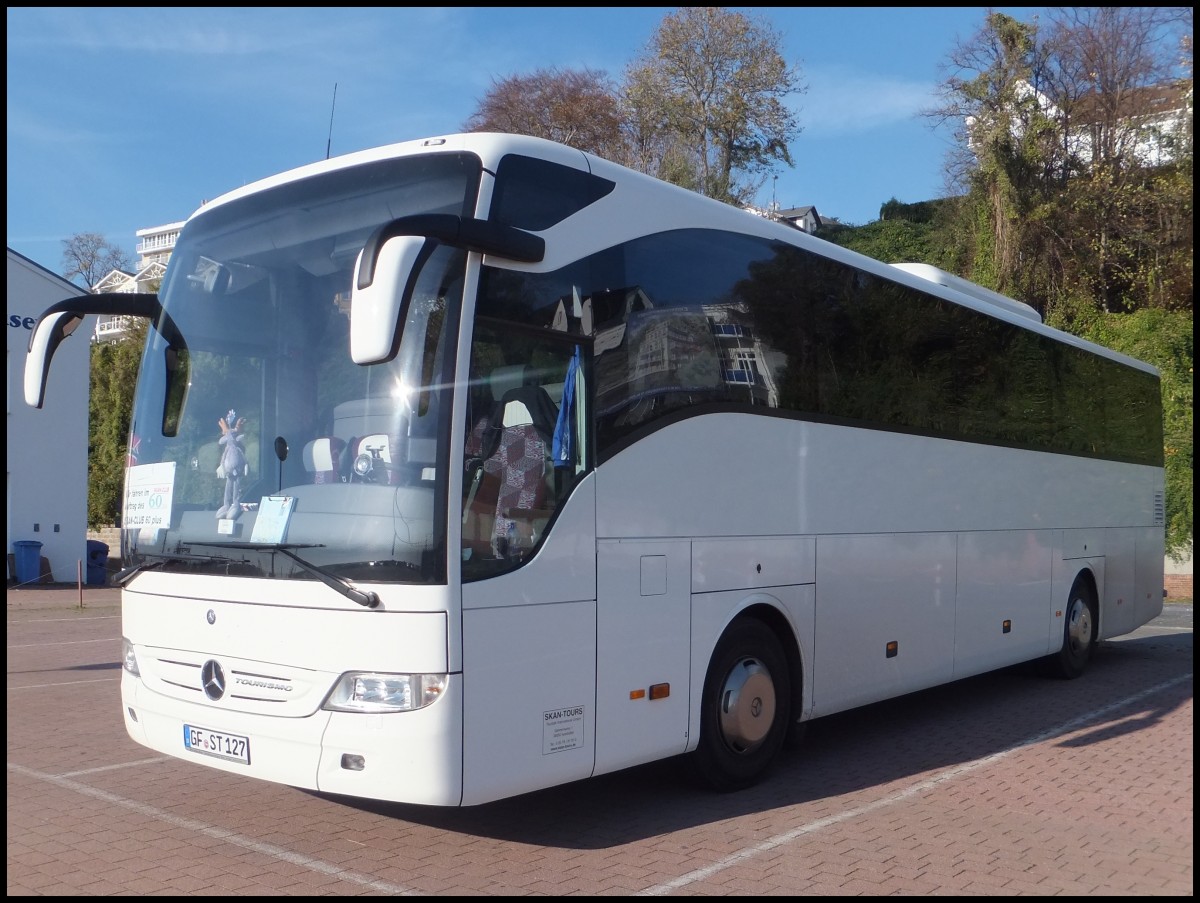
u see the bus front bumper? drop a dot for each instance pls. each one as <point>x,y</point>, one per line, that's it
<point>405,757</point>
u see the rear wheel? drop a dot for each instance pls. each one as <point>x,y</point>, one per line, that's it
<point>1079,633</point>
<point>745,709</point>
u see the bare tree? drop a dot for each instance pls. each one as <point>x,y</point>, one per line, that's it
<point>89,256</point>
<point>577,107</point>
<point>1120,104</point>
<point>1110,64</point>
<point>705,102</point>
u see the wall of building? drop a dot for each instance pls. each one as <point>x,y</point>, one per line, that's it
<point>1178,578</point>
<point>46,479</point>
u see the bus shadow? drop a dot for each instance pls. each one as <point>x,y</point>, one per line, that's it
<point>1131,684</point>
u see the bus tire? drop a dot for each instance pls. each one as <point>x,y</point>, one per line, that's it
<point>745,709</point>
<point>1079,633</point>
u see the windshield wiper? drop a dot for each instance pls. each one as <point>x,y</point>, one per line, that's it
<point>124,576</point>
<point>365,598</point>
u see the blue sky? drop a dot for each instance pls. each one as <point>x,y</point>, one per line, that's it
<point>125,118</point>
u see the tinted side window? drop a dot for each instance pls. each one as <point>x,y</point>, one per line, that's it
<point>697,320</point>
<point>536,194</point>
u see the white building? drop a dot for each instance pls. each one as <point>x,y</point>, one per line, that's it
<point>155,246</point>
<point>47,477</point>
<point>1148,127</point>
<point>806,219</point>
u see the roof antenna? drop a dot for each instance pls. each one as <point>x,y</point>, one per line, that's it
<point>329,142</point>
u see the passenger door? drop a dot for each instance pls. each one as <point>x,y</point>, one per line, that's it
<point>643,637</point>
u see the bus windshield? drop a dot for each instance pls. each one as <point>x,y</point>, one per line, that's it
<point>257,445</point>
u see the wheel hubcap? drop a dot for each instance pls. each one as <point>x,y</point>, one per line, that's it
<point>1079,627</point>
<point>747,705</point>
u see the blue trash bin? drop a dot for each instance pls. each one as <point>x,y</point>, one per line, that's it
<point>28,556</point>
<point>97,563</point>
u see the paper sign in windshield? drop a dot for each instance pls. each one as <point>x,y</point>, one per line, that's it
<point>149,489</point>
<point>274,512</point>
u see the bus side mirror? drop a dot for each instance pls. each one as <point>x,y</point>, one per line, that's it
<point>49,332</point>
<point>377,301</point>
<point>387,267</point>
<point>60,320</point>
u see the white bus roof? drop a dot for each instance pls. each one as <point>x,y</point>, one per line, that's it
<point>957,283</point>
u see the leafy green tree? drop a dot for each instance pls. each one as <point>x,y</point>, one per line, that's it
<point>891,241</point>
<point>1006,143</point>
<point>114,369</point>
<point>920,212</point>
<point>705,103</point>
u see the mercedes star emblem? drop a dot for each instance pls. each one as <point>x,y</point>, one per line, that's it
<point>212,679</point>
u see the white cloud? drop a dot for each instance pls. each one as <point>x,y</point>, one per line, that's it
<point>842,101</point>
<point>46,130</point>
<point>224,31</point>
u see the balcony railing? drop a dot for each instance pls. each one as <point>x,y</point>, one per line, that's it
<point>158,243</point>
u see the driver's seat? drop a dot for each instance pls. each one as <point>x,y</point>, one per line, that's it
<point>517,455</point>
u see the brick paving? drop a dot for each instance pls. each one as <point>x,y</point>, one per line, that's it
<point>1005,784</point>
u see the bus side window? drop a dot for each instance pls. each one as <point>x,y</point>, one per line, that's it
<point>511,486</point>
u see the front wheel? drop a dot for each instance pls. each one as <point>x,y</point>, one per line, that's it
<point>745,708</point>
<point>1079,633</point>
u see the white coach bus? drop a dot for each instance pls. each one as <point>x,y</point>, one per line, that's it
<point>474,465</point>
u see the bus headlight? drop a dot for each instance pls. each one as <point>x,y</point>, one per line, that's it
<point>366,691</point>
<point>129,658</point>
